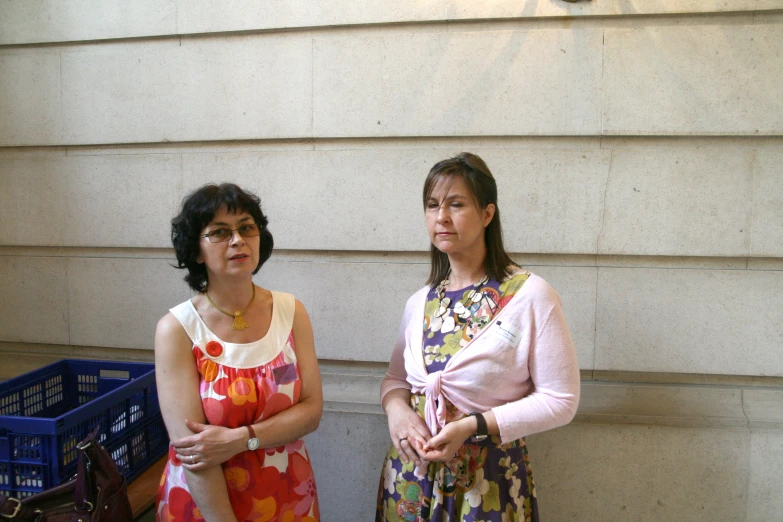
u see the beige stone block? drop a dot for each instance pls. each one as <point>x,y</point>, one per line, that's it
<point>37,21</point>
<point>768,204</point>
<point>656,404</point>
<point>117,201</point>
<point>765,263</point>
<point>767,4</point>
<point>689,321</point>
<point>457,83</point>
<point>34,307</point>
<point>217,89</point>
<point>693,80</point>
<point>30,152</point>
<point>765,501</point>
<point>339,294</point>
<point>14,365</point>
<point>355,308</point>
<point>470,9</point>
<point>347,390</point>
<point>763,407</point>
<point>577,287</point>
<point>356,200</point>
<point>33,206</point>
<point>201,16</point>
<point>122,201</point>
<point>550,201</point>
<point>117,302</point>
<point>641,473</point>
<point>31,100</point>
<point>678,203</point>
<point>347,453</point>
<point>710,263</point>
<point>463,143</point>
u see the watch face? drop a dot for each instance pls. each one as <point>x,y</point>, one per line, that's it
<point>252,444</point>
<point>478,438</point>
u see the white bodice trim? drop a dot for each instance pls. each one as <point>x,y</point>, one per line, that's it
<point>244,355</point>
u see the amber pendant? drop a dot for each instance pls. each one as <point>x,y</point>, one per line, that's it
<point>239,322</point>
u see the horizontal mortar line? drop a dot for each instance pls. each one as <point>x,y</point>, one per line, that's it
<point>665,262</point>
<point>544,21</point>
<point>149,147</point>
<point>402,258</point>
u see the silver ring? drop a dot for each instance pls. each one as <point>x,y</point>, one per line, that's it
<point>191,459</point>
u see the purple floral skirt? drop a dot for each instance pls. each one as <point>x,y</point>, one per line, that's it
<point>486,482</point>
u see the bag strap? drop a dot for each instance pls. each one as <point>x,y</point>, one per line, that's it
<point>12,509</point>
<point>84,496</point>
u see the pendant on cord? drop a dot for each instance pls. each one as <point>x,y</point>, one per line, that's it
<point>239,322</point>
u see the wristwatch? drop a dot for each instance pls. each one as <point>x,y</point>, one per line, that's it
<point>481,428</point>
<point>252,442</point>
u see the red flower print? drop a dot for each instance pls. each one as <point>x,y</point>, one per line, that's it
<point>173,457</point>
<point>242,390</point>
<point>182,507</point>
<point>214,348</point>
<point>214,411</point>
<point>275,404</point>
<point>237,478</point>
<point>268,482</point>
<point>221,386</point>
<point>307,490</point>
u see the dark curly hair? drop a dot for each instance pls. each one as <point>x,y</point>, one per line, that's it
<point>479,180</point>
<point>198,209</point>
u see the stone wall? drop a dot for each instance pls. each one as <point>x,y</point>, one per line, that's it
<point>638,149</point>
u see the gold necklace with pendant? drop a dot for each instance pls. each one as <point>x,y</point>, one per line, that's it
<point>239,321</point>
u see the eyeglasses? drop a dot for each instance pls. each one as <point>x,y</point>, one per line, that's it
<point>223,234</point>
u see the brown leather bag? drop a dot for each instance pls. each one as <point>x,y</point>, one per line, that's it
<point>97,494</point>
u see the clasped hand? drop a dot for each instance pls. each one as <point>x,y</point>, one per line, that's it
<point>413,441</point>
<point>208,446</point>
<point>445,445</point>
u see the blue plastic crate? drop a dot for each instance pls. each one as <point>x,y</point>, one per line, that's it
<point>44,414</point>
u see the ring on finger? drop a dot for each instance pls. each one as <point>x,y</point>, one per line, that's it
<point>191,460</point>
<point>403,439</point>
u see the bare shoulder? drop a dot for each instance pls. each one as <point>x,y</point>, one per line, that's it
<point>170,332</point>
<point>168,325</point>
<point>300,313</point>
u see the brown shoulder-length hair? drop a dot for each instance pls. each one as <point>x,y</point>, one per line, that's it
<point>477,176</point>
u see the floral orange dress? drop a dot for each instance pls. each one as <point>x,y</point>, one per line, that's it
<point>243,384</point>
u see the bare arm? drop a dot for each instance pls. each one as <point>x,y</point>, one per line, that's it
<point>178,391</point>
<point>303,417</point>
<point>213,445</point>
<point>408,431</point>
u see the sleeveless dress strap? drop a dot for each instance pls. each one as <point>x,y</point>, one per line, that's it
<point>283,319</point>
<point>188,317</point>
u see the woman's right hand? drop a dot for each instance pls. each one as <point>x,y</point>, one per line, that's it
<point>407,430</point>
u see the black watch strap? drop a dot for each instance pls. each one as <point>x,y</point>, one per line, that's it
<point>481,426</point>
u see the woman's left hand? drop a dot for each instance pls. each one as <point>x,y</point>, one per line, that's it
<point>208,446</point>
<point>444,446</point>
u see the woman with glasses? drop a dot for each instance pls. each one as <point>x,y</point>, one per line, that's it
<point>237,375</point>
<point>483,358</point>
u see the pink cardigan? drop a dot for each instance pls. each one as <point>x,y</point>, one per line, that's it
<point>522,365</point>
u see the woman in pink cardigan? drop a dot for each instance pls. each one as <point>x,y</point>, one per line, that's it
<point>483,358</point>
